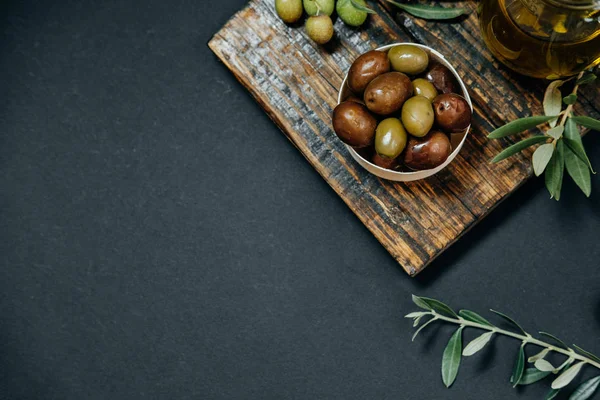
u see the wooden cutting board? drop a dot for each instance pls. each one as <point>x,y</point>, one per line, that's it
<point>296,82</point>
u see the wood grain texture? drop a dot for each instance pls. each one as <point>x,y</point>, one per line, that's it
<point>297,81</point>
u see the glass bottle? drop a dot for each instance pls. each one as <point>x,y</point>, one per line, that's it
<point>542,38</point>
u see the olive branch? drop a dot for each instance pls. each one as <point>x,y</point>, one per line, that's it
<point>561,146</point>
<point>576,357</point>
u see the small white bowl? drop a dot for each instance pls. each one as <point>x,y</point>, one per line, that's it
<point>457,140</point>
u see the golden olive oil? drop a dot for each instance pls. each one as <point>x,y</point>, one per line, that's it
<point>542,38</point>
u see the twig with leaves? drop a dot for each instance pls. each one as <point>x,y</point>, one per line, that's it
<point>561,144</point>
<point>576,357</point>
<point>430,12</point>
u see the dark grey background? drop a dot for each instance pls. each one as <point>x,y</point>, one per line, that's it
<point>161,239</point>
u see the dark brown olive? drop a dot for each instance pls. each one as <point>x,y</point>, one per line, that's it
<point>387,93</point>
<point>385,162</point>
<point>353,123</point>
<point>366,68</point>
<point>443,80</point>
<point>452,112</point>
<point>427,152</point>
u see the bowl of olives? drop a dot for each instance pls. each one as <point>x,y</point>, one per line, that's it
<point>403,112</point>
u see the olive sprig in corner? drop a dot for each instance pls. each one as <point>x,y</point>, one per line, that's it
<point>575,358</point>
<point>561,145</point>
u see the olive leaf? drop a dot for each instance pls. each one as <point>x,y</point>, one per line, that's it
<point>539,356</point>
<point>544,365</point>
<point>429,12</point>
<point>451,358</point>
<point>439,307</point>
<point>532,375</point>
<point>519,367</point>
<point>360,7</point>
<point>570,99</point>
<point>579,171</point>
<point>555,171</point>
<point>586,389</point>
<point>510,320</point>
<point>588,122</point>
<point>557,340</point>
<point>587,353</point>
<point>477,344</point>
<point>517,147</point>
<point>420,302</point>
<point>474,317</point>
<point>552,104</point>
<point>416,314</point>
<point>572,139</point>
<point>541,158</point>
<point>552,394</point>
<point>422,327</point>
<point>566,377</point>
<point>587,78</point>
<point>519,125</point>
<point>556,132</point>
<point>417,320</point>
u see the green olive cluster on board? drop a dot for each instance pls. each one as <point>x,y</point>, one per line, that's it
<point>396,122</point>
<point>319,25</point>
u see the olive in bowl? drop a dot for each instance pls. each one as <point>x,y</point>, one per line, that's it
<point>407,144</point>
<point>452,112</point>
<point>354,124</point>
<point>387,93</point>
<point>366,68</point>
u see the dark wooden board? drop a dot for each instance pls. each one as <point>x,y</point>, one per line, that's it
<point>297,81</point>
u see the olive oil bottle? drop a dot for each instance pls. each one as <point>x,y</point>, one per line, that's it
<point>542,38</point>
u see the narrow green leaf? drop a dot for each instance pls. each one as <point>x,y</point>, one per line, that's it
<point>572,139</point>
<point>587,122</point>
<point>556,132</point>
<point>477,344</point>
<point>420,302</point>
<point>519,125</point>
<point>566,377</point>
<point>360,7</point>
<point>579,171</point>
<point>587,353</point>
<point>429,12</point>
<point>552,394</point>
<point>510,320</point>
<point>586,389</point>
<point>532,375</point>
<point>557,340</point>
<point>555,171</point>
<point>519,367</point>
<point>423,327</point>
<point>570,99</point>
<point>517,147</point>
<point>451,358</point>
<point>539,356</point>
<point>439,307</point>
<point>416,314</point>
<point>585,79</point>
<point>474,317</point>
<point>551,103</point>
<point>544,365</point>
<point>417,320</point>
<point>541,158</point>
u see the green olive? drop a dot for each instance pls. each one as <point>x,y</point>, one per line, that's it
<point>408,59</point>
<point>417,116</point>
<point>349,14</point>
<point>422,87</point>
<point>320,28</point>
<point>289,11</point>
<point>390,138</point>
<point>320,7</point>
